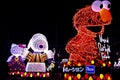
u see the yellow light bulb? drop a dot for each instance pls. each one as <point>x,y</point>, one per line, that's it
<point>12,73</point>
<point>79,64</point>
<point>21,75</point>
<point>69,78</point>
<point>78,76</point>
<point>25,73</point>
<point>104,64</point>
<point>38,73</point>
<point>31,75</point>
<point>101,76</point>
<point>92,62</point>
<point>64,65</point>
<point>90,78</point>
<point>68,62</point>
<point>108,78</point>
<point>65,75</point>
<point>43,75</point>
<point>109,62</point>
<point>18,72</point>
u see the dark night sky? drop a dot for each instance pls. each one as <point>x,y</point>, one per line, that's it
<point>20,20</point>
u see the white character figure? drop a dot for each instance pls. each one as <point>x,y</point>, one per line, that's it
<point>119,62</point>
<point>39,44</point>
<point>16,60</point>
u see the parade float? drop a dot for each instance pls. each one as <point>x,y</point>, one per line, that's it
<point>35,60</point>
<point>89,52</point>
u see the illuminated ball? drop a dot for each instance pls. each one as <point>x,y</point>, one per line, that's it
<point>38,73</point>
<point>18,72</point>
<point>94,76</point>
<point>101,76</point>
<point>69,78</point>
<point>78,76</point>
<point>104,64</point>
<point>106,76</point>
<point>25,73</point>
<point>12,73</point>
<point>78,64</point>
<point>109,62</point>
<point>31,75</point>
<point>109,78</point>
<point>101,62</point>
<point>68,62</point>
<point>21,75</point>
<point>48,74</point>
<point>65,75</point>
<point>43,75</point>
<point>90,78</point>
<point>98,78</point>
<point>64,65</point>
<point>86,76</point>
<point>109,65</point>
<point>92,62</point>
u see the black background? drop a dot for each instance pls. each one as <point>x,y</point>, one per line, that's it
<point>20,20</point>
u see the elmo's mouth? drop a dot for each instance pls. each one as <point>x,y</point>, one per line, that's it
<point>95,28</point>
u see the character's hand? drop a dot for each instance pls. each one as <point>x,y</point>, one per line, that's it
<point>25,53</point>
<point>50,68</point>
<point>10,58</point>
<point>50,54</point>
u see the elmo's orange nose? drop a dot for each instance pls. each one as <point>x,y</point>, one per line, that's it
<point>105,15</point>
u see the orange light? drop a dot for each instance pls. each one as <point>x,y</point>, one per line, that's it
<point>78,64</point>
<point>68,62</point>
<point>109,78</point>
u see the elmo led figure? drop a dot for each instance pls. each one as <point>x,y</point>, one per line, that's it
<point>83,47</point>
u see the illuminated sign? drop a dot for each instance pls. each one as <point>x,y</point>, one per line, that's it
<point>90,69</point>
<point>73,69</point>
<point>35,67</point>
<point>104,47</point>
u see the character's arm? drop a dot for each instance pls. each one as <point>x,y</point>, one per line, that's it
<point>50,57</point>
<point>50,54</point>
<point>10,58</point>
<point>25,53</point>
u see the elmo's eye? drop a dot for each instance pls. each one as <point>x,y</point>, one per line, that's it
<point>97,6</point>
<point>106,5</point>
